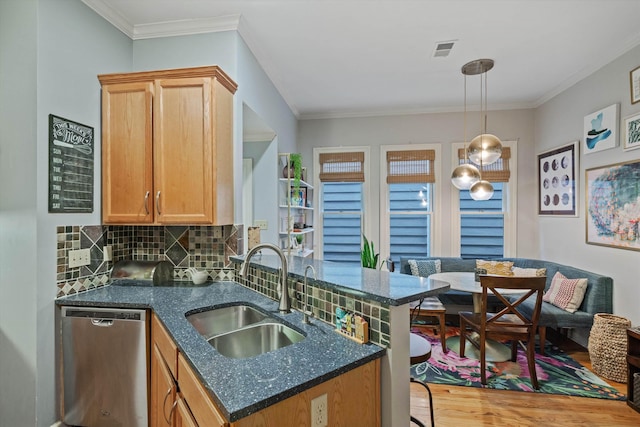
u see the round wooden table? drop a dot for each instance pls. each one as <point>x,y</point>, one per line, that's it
<point>465,281</point>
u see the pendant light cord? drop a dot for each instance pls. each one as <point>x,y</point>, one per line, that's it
<point>464,120</point>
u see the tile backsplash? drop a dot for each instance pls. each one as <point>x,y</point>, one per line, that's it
<point>323,302</point>
<point>203,247</point>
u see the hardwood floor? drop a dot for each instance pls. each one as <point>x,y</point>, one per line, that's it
<point>456,406</point>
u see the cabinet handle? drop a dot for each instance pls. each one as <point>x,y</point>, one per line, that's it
<point>158,203</point>
<point>146,203</point>
<point>164,403</point>
<point>173,407</point>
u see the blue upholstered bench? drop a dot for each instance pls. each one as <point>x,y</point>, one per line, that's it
<point>598,297</point>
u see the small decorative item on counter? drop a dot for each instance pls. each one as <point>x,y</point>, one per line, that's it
<point>352,326</point>
<point>197,277</point>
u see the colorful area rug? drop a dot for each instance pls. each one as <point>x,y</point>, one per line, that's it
<point>557,372</point>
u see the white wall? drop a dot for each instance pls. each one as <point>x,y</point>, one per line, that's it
<point>256,90</point>
<point>18,175</point>
<point>442,128</point>
<point>265,190</point>
<point>51,54</point>
<point>560,121</point>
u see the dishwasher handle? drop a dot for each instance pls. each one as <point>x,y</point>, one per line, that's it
<point>105,323</point>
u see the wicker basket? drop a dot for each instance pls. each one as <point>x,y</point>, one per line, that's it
<point>608,346</point>
<point>636,389</point>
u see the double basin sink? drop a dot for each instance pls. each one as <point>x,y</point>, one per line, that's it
<point>241,331</point>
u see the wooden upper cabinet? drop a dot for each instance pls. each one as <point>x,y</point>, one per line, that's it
<point>127,155</point>
<point>167,147</point>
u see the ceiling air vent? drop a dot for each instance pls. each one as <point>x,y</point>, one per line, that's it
<point>443,49</point>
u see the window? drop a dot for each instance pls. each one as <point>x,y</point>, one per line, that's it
<point>486,229</point>
<point>407,214</point>
<point>341,221</point>
<point>482,225</point>
<point>409,220</point>
<point>341,199</point>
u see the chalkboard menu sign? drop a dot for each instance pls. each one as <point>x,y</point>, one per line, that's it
<point>70,166</point>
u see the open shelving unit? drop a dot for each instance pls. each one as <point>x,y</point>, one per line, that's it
<point>296,218</point>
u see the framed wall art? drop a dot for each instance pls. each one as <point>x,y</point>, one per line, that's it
<point>634,77</point>
<point>613,205</point>
<point>601,130</point>
<point>557,181</point>
<point>631,126</point>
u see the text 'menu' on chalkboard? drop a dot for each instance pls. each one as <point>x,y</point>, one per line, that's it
<point>70,166</point>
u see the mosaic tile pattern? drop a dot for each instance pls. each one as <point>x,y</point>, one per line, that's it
<point>324,302</point>
<point>203,247</point>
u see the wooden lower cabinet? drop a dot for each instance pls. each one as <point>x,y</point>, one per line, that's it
<point>179,399</point>
<point>353,399</point>
<point>184,417</point>
<point>163,391</point>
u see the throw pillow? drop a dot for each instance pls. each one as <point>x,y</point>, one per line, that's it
<point>497,268</point>
<point>566,293</point>
<point>424,268</point>
<point>529,272</point>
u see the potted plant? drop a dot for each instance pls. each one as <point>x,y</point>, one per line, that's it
<point>295,165</point>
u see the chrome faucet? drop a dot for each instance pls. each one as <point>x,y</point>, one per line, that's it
<point>305,308</point>
<point>285,302</point>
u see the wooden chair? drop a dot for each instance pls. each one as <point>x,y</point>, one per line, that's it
<point>432,307</point>
<point>508,323</point>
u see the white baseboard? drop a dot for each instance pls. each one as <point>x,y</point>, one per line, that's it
<point>57,424</point>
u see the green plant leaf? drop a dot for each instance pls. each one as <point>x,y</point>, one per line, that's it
<point>368,256</point>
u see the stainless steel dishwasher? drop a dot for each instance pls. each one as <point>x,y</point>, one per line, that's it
<point>104,366</point>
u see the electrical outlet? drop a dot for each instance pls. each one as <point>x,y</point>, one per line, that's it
<point>319,411</point>
<point>262,223</point>
<point>79,258</point>
<point>107,251</point>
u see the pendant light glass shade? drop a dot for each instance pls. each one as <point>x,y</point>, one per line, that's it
<point>485,149</point>
<point>481,190</point>
<point>464,176</point>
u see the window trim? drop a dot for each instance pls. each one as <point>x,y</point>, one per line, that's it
<point>510,207</point>
<point>317,194</point>
<point>385,222</point>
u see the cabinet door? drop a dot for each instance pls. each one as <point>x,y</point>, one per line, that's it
<point>184,418</point>
<point>202,407</point>
<point>127,169</point>
<point>184,151</point>
<point>163,392</point>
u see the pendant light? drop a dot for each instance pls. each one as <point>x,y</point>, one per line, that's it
<point>481,190</point>
<point>484,148</point>
<point>466,174</point>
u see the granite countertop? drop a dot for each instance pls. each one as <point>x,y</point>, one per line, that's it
<point>378,285</point>
<point>240,387</point>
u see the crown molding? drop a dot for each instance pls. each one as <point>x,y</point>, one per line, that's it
<point>186,27</point>
<point>111,15</point>
<point>163,29</point>
<point>349,114</point>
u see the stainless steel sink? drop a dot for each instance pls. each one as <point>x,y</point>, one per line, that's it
<point>241,331</point>
<point>225,319</point>
<point>254,340</point>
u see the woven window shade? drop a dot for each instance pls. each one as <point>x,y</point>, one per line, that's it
<point>412,166</point>
<point>495,172</point>
<point>342,167</point>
